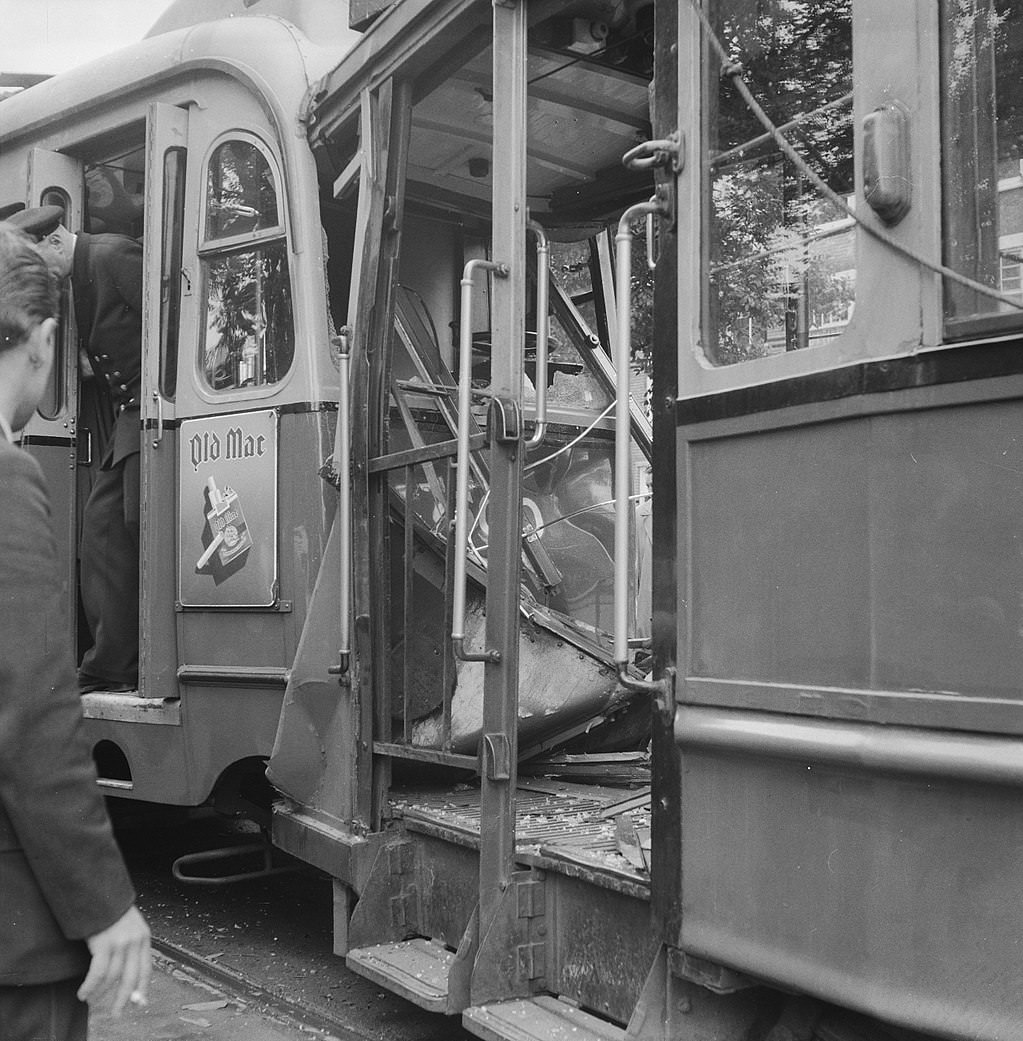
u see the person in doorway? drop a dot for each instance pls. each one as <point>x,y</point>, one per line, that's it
<point>69,929</point>
<point>105,272</point>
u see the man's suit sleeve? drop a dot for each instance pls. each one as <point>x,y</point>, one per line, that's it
<point>47,778</point>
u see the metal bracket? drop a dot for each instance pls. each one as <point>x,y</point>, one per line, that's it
<point>83,447</point>
<point>389,906</point>
<point>530,899</point>
<point>531,960</point>
<point>667,153</point>
<point>662,689</point>
<point>405,909</point>
<point>496,751</point>
<point>707,974</point>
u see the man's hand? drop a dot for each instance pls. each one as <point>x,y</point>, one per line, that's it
<point>120,964</point>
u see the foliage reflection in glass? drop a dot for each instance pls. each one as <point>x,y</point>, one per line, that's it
<point>780,258</point>
<point>250,338</point>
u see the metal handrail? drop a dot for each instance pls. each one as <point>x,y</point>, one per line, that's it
<point>343,466</point>
<point>543,329</point>
<point>462,478</point>
<point>623,431</point>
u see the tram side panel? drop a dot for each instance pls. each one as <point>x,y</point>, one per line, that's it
<point>849,718</point>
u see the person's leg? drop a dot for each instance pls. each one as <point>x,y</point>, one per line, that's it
<point>110,576</point>
<point>43,1012</point>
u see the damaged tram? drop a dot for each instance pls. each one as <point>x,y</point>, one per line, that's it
<point>737,760</point>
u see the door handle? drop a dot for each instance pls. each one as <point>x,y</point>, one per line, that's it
<point>159,419</point>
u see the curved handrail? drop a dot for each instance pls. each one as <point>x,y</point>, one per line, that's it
<point>462,479</point>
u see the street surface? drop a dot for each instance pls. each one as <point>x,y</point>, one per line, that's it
<point>262,940</point>
<point>182,1007</point>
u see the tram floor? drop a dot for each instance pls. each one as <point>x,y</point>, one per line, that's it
<point>274,931</point>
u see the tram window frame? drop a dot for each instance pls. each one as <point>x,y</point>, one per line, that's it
<point>213,250</point>
<point>974,239</point>
<point>55,397</point>
<point>175,171</point>
<point>790,334</point>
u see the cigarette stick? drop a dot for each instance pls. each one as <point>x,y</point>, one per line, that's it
<point>210,549</point>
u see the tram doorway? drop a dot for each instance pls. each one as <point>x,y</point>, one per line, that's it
<point>102,189</point>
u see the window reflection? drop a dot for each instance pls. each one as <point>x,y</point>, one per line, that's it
<point>249,339</point>
<point>249,332</point>
<point>982,62</point>
<point>241,194</point>
<point>52,402</point>
<point>781,259</point>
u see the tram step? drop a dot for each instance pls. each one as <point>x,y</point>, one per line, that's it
<point>542,1018</point>
<point>416,969</point>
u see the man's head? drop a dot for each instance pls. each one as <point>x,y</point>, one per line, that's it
<point>55,242</point>
<point>59,250</point>
<point>29,302</point>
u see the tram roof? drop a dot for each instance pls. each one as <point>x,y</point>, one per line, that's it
<point>234,45</point>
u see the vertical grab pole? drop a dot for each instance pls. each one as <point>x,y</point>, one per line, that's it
<point>462,479</point>
<point>623,440</point>
<point>543,330</point>
<point>343,463</point>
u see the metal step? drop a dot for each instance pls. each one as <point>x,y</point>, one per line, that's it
<point>416,969</point>
<point>542,1018</point>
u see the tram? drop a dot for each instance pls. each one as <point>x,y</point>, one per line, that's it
<point>393,308</point>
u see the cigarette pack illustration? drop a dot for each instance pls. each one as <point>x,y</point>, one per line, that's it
<point>230,533</point>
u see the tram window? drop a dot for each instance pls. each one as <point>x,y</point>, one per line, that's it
<point>53,398</point>
<point>173,223</point>
<point>982,59</point>
<point>249,339</point>
<point>115,195</point>
<point>780,258</point>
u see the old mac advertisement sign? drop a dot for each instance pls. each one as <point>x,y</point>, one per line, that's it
<point>227,542</point>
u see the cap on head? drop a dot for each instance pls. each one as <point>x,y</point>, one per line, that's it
<point>10,208</point>
<point>37,221</point>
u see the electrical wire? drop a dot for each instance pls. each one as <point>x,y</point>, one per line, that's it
<point>571,444</point>
<point>733,69</point>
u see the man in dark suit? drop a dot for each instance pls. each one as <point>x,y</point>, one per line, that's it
<point>106,286</point>
<point>69,930</point>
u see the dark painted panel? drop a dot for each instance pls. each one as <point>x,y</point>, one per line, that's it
<point>927,369</point>
<point>879,552</point>
<point>947,534</point>
<point>779,564</point>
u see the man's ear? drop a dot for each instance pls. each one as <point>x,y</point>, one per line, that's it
<point>42,342</point>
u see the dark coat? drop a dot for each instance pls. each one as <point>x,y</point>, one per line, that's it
<point>61,874</point>
<point>106,280</point>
